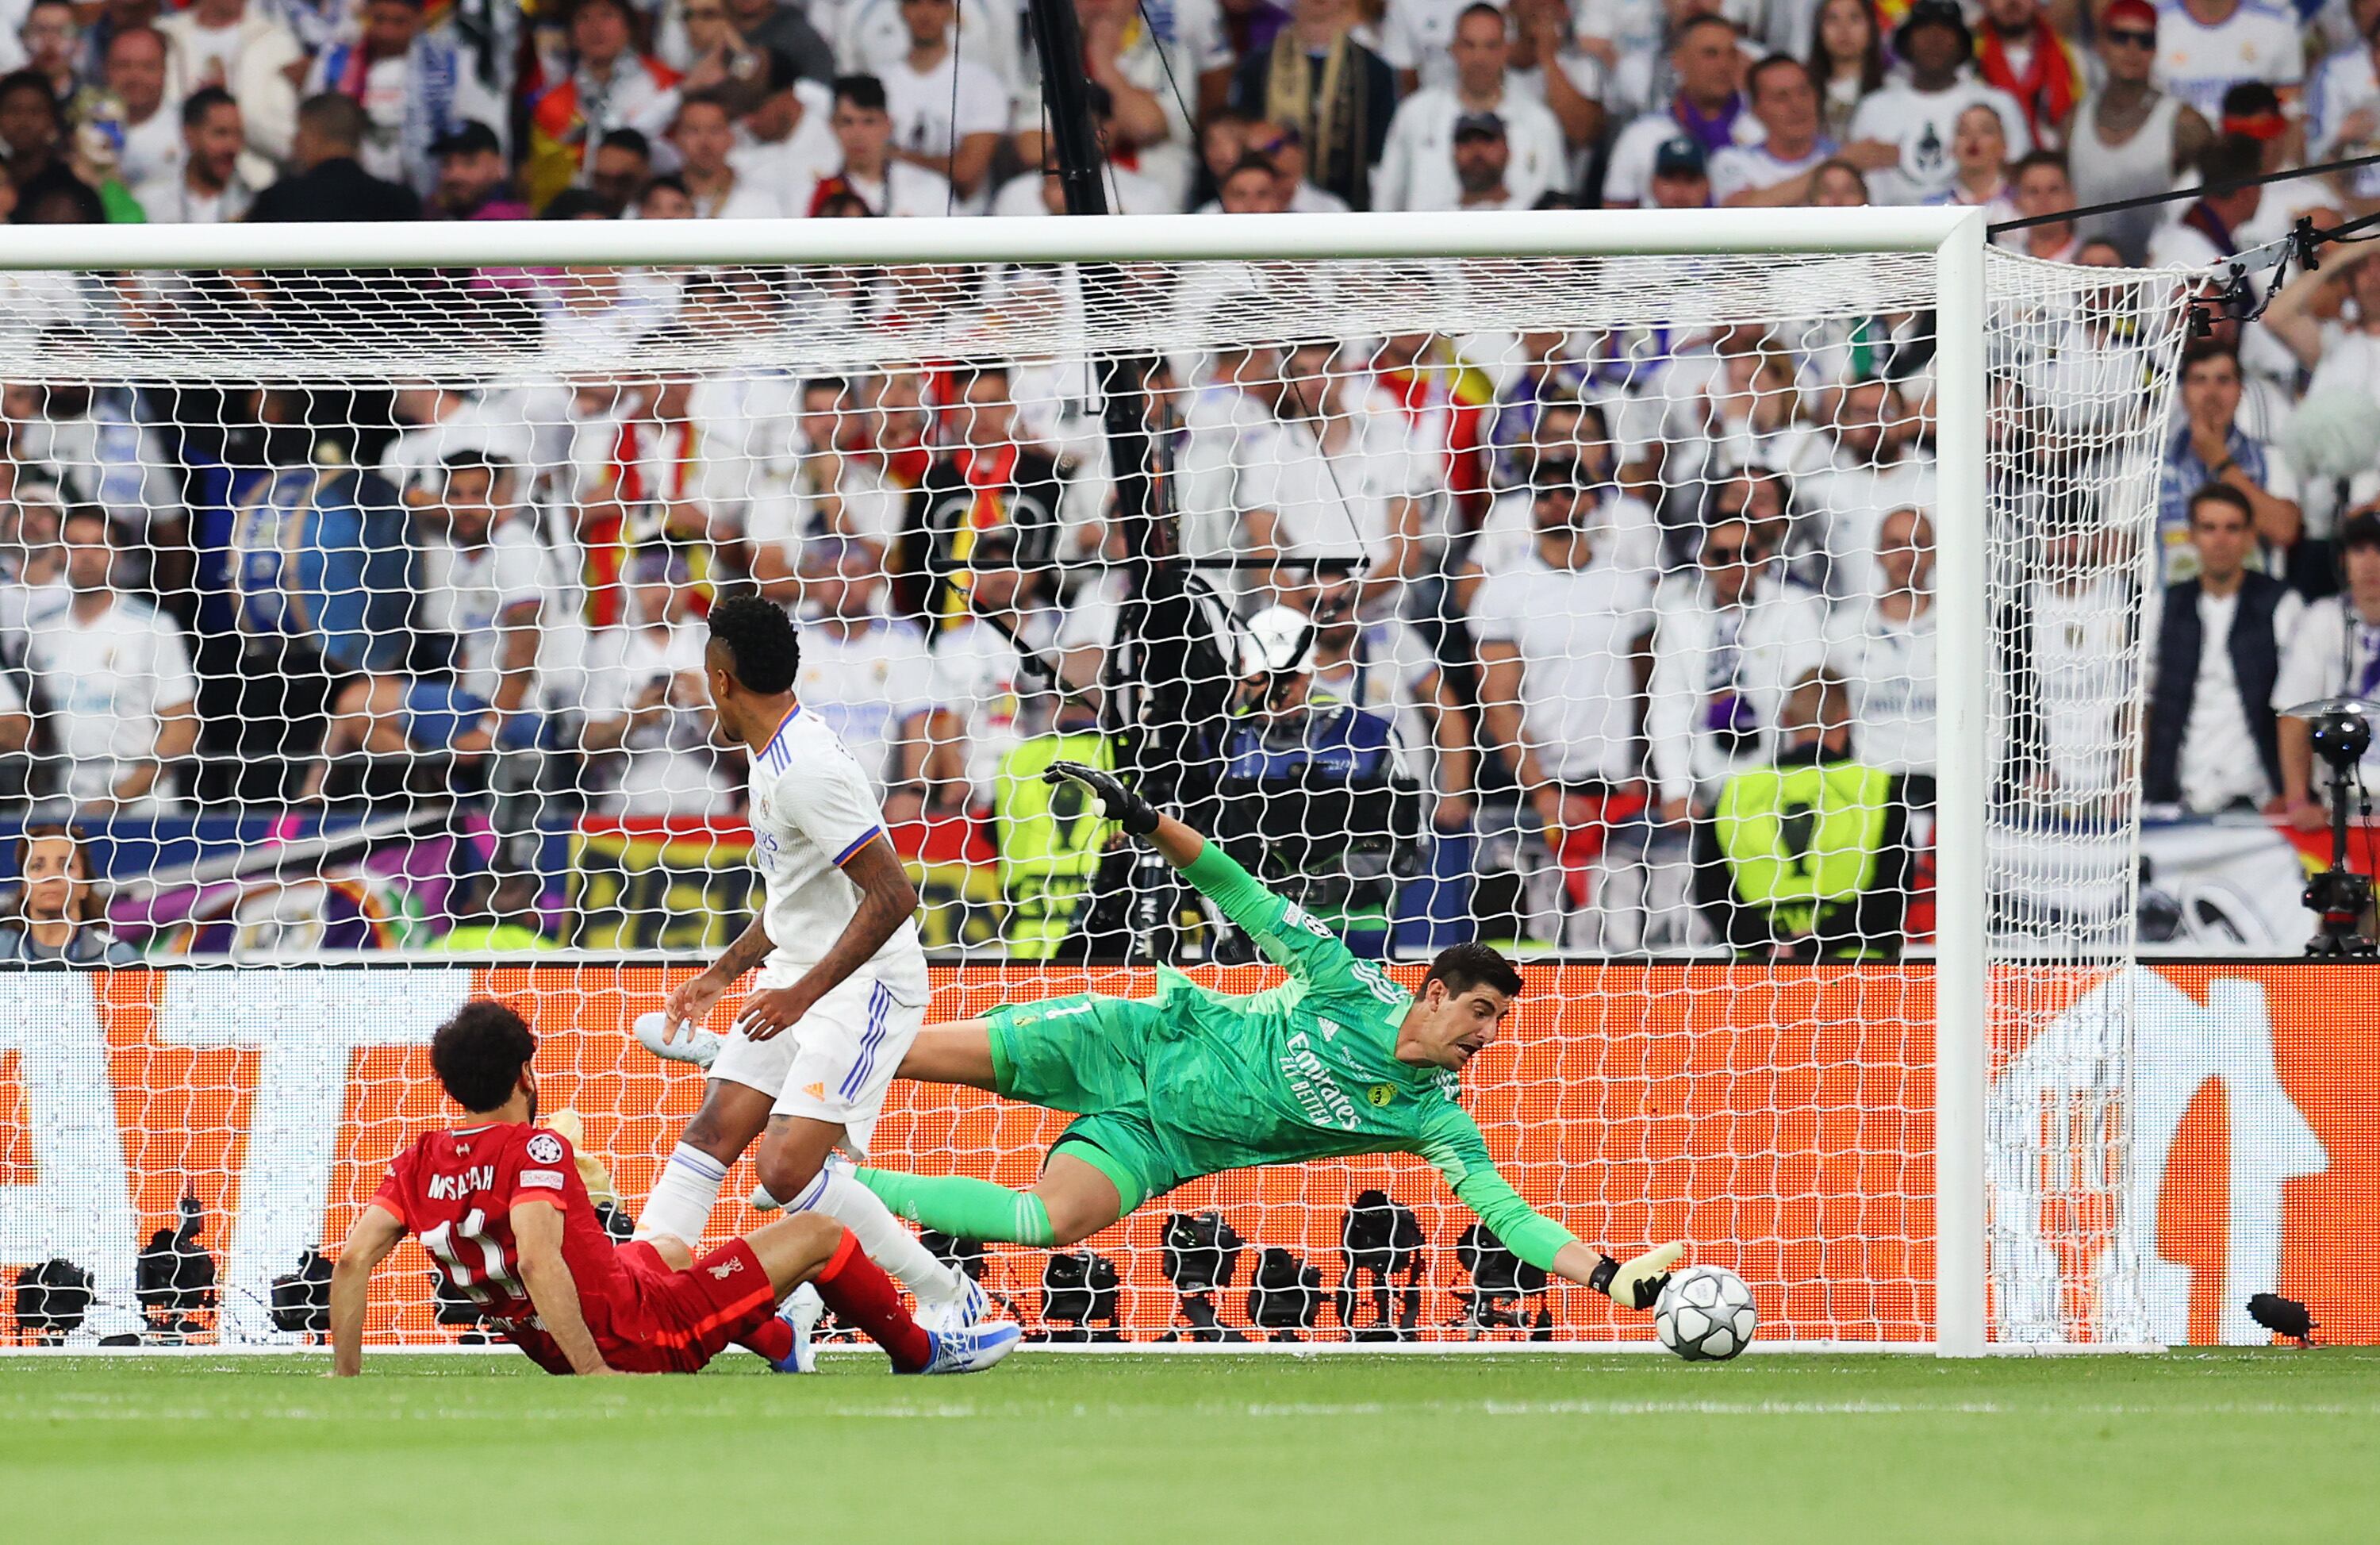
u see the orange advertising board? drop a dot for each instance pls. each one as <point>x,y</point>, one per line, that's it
<point>1779,1119</point>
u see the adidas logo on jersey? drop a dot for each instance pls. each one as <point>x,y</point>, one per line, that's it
<point>816,1092</point>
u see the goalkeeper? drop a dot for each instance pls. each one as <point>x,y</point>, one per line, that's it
<point>1337,1061</point>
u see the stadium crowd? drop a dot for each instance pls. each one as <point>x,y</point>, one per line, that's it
<point>1546,592</point>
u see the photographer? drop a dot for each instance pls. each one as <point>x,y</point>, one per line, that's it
<point>2335,653</point>
<point>1314,798</point>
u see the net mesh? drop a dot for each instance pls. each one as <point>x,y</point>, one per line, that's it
<point>354,620</point>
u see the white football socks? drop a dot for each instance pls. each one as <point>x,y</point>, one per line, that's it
<point>681,1198</point>
<point>889,1245</point>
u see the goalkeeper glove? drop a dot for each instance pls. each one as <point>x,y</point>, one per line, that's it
<point>1109,797</point>
<point>1636,1285</point>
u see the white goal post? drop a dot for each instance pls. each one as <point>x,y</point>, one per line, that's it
<point>1980,569</point>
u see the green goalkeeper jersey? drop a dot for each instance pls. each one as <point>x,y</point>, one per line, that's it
<point>1308,1069</point>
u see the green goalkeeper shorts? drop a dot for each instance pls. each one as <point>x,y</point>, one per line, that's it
<point>1086,1054</point>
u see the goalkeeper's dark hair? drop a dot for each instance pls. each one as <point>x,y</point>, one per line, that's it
<point>1466,966</point>
<point>763,651</point>
<point>478,1054</point>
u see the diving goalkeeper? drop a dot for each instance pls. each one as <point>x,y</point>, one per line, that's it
<point>1337,1061</point>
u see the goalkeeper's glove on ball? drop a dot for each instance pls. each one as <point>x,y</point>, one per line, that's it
<point>1636,1285</point>
<point>1109,796</point>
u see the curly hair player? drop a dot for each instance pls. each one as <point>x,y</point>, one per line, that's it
<point>1338,1061</point>
<point>498,1204</point>
<point>842,987</point>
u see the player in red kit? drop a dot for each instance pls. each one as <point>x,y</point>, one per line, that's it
<point>498,1204</point>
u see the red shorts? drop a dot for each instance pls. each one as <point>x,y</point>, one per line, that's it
<point>691,1316</point>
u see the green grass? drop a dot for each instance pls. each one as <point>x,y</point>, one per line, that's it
<point>2233,1446</point>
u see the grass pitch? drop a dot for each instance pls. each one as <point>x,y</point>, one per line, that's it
<point>2218,1445</point>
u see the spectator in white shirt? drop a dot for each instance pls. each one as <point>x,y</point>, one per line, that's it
<point>1283,146</point>
<point>886,183</point>
<point>2205,46</point>
<point>783,144</point>
<point>1729,642</point>
<point>238,45</point>
<point>1979,150</point>
<point>2039,187</point>
<point>1414,39</point>
<point>1564,647</point>
<point>2335,653</point>
<point>1547,65</point>
<point>948,113</point>
<point>415,86</point>
<point>2343,106</point>
<point>838,491</point>
<point>705,137</point>
<point>1708,109</point>
<point>2128,140</point>
<point>1418,170</point>
<point>135,75</point>
<point>1875,469</point>
<point>1885,653</point>
<point>1128,192</point>
<point>1158,66</point>
<point>1780,170</point>
<point>2330,320</point>
<point>1335,479</point>
<point>647,726</point>
<point>1921,113</point>
<point>113,678</point>
<point>865,673</point>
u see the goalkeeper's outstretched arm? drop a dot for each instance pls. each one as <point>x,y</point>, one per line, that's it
<point>1460,1153</point>
<point>1295,943</point>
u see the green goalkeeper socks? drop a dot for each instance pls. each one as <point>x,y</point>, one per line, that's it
<point>962,1208</point>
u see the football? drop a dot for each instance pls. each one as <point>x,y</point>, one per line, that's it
<point>1706,1315</point>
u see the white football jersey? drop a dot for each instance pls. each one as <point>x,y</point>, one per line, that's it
<point>813,809</point>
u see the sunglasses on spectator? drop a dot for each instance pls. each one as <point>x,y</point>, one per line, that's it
<point>704,15</point>
<point>1729,552</point>
<point>2127,35</point>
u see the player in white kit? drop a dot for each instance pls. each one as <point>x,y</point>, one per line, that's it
<point>842,989</point>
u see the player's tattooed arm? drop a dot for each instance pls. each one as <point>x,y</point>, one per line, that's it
<point>887,899</point>
<point>376,1231</point>
<point>537,1234</point>
<point>689,1002</point>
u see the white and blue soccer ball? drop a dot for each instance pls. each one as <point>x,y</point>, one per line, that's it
<point>1706,1315</point>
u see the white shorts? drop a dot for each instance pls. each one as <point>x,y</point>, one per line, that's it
<point>836,1062</point>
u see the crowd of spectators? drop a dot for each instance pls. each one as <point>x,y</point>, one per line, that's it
<point>1582,575</point>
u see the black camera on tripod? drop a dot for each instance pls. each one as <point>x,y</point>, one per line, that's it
<point>1202,1257</point>
<point>2340,731</point>
<point>1382,1242</point>
<point>1504,1290</point>
<point>1080,1294</point>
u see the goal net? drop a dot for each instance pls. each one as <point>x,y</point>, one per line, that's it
<point>1738,622</point>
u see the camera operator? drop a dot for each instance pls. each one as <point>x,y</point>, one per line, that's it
<point>2335,653</point>
<point>1314,798</point>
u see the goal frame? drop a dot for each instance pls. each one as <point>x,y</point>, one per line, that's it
<point>1954,236</point>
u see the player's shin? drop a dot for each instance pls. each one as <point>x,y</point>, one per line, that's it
<point>681,1198</point>
<point>889,1245</point>
<point>859,1293</point>
<point>962,1208</point>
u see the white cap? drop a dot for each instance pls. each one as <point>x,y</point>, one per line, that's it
<point>1277,638</point>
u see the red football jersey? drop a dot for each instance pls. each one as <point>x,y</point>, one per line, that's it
<point>455,1191</point>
